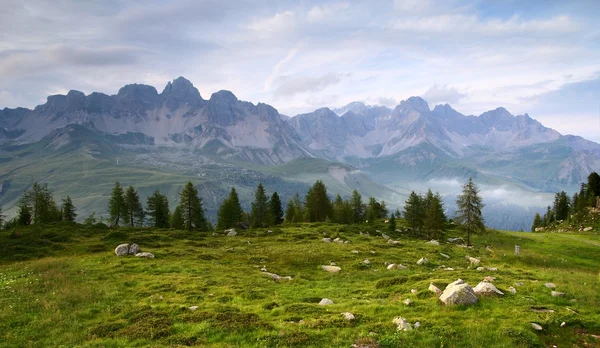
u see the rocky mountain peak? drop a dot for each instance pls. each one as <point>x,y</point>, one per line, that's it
<point>414,103</point>
<point>223,96</point>
<point>181,91</point>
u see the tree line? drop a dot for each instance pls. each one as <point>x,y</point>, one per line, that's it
<point>573,209</point>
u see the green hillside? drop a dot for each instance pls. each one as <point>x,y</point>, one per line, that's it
<point>62,285</point>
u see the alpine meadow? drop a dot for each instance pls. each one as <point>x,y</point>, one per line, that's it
<point>366,186</point>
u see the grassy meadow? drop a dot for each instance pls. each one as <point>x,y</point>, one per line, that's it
<point>62,285</point>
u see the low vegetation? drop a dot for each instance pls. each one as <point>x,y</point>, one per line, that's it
<point>62,285</point>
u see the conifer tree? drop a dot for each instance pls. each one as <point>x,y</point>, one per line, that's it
<point>562,205</point>
<point>230,212</point>
<point>42,206</point>
<point>157,206</point>
<point>192,209</point>
<point>593,187</point>
<point>469,206</point>
<point>134,211</point>
<point>435,218</point>
<point>537,222</point>
<point>290,211</point>
<point>358,207</point>
<point>414,212</point>
<point>68,209</point>
<point>24,215</point>
<point>318,204</point>
<point>260,208</point>
<point>275,210</point>
<point>392,223</point>
<point>116,205</point>
<point>177,219</point>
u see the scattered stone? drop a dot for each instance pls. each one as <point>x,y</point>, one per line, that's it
<point>456,240</point>
<point>331,269</point>
<point>417,325</point>
<point>346,241</point>
<point>348,316</point>
<point>193,308</point>
<point>489,248</point>
<point>512,290</point>
<point>394,242</point>
<point>355,251</point>
<point>339,241</point>
<point>378,231</point>
<point>434,289</point>
<point>231,232</point>
<point>413,291</point>
<point>385,236</point>
<point>587,229</point>
<point>399,231</point>
<point>134,249</point>
<point>269,231</point>
<point>489,279</point>
<point>373,252</point>
<point>326,240</point>
<point>422,261</point>
<point>325,302</point>
<point>473,260</point>
<point>145,254</point>
<point>366,262</point>
<point>396,266</point>
<point>264,269</point>
<point>433,242</point>
<point>449,269</point>
<point>458,293</point>
<point>332,263</point>
<point>485,288</point>
<point>563,324</point>
<point>277,277</point>
<point>336,240</point>
<point>492,269</point>
<point>446,256</point>
<point>537,327</point>
<point>122,250</point>
<point>519,284</point>
<point>542,310</point>
<point>481,268</point>
<point>407,302</point>
<point>402,324</point>
<point>557,294</point>
<point>550,285</point>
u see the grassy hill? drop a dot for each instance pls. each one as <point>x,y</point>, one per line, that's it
<point>63,285</point>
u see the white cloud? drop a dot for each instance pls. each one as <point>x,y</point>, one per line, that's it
<point>276,25</point>
<point>437,94</point>
<point>277,68</point>
<point>326,12</point>
<point>291,85</point>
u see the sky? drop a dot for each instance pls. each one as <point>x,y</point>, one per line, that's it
<point>535,57</point>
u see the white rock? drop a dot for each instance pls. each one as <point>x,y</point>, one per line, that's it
<point>231,232</point>
<point>269,231</point>
<point>536,326</point>
<point>413,291</point>
<point>481,268</point>
<point>456,282</point>
<point>366,262</point>
<point>512,290</point>
<point>326,240</point>
<point>433,242</point>
<point>550,285</point>
<point>331,269</point>
<point>336,240</point>
<point>407,302</point>
<point>422,261</point>
<point>122,250</point>
<point>489,279</point>
<point>402,324</point>
<point>277,277</point>
<point>449,269</point>
<point>396,266</point>
<point>394,242</point>
<point>145,254</point>
<point>587,229</point>
<point>445,255</point>
<point>519,284</point>
<point>492,269</point>
<point>473,260</point>
<point>355,251</point>
<point>325,302</point>
<point>384,235</point>
<point>557,294</point>
<point>460,294</point>
<point>485,288</point>
<point>563,324</point>
<point>434,289</point>
<point>134,249</point>
<point>193,308</point>
<point>417,325</point>
<point>348,316</point>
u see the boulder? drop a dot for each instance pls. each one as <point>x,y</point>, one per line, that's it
<point>492,269</point>
<point>231,232</point>
<point>336,240</point>
<point>407,302</point>
<point>385,236</point>
<point>458,294</point>
<point>446,256</point>
<point>366,262</point>
<point>456,240</point>
<point>396,266</point>
<point>355,251</point>
<point>277,277</point>
<point>122,250</point>
<point>348,316</point>
<point>402,324</point>
<point>456,282</point>
<point>417,325</point>
<point>539,229</point>
<point>536,326</point>
<point>433,242</point>
<point>325,302</point>
<point>550,285</point>
<point>422,261</point>
<point>481,268</point>
<point>512,290</point>
<point>145,254</point>
<point>193,308</point>
<point>485,288</point>
<point>489,279</point>
<point>326,240</point>
<point>557,294</point>
<point>434,289</point>
<point>473,260</point>
<point>331,269</point>
<point>413,291</point>
<point>393,242</point>
<point>134,249</point>
<point>587,229</point>
<point>563,324</point>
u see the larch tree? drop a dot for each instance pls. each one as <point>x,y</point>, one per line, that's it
<point>134,211</point>
<point>260,208</point>
<point>177,219</point>
<point>414,212</point>
<point>318,204</point>
<point>230,211</point>
<point>192,209</point>
<point>157,206</point>
<point>116,205</point>
<point>358,207</point>
<point>469,205</point>
<point>275,210</point>
<point>435,218</point>
<point>68,209</point>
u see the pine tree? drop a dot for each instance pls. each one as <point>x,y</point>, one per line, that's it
<point>260,208</point>
<point>116,205</point>
<point>177,219</point>
<point>41,205</point>
<point>338,209</point>
<point>24,216</point>
<point>91,219</point>
<point>537,222</point>
<point>435,218</point>
<point>593,186</point>
<point>157,206</point>
<point>318,204</point>
<point>192,209</point>
<point>358,208</point>
<point>68,209</point>
<point>275,210</point>
<point>230,212</point>
<point>561,206</point>
<point>290,211</point>
<point>134,211</point>
<point>469,206</point>
<point>414,212</point>
<point>392,223</point>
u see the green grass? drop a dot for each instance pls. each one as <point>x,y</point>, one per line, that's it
<point>62,285</point>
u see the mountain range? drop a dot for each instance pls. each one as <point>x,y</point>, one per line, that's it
<point>380,150</point>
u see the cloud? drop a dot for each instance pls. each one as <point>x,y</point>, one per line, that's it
<point>390,102</point>
<point>443,94</point>
<point>276,25</point>
<point>291,85</point>
<point>318,13</point>
<point>277,68</point>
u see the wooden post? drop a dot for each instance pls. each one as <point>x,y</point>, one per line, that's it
<point>517,249</point>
